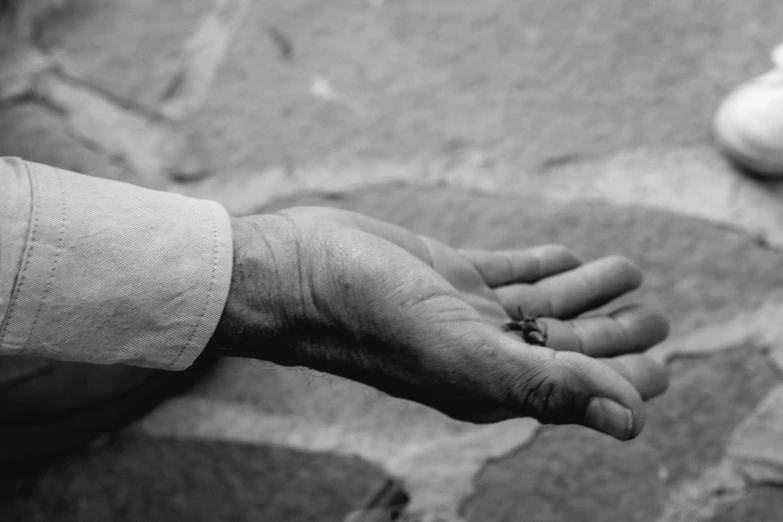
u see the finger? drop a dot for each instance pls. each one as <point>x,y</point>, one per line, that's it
<point>521,266</point>
<point>630,329</point>
<point>648,376</point>
<point>570,388</point>
<point>574,292</point>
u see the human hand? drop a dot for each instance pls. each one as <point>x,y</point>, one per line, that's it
<point>346,294</point>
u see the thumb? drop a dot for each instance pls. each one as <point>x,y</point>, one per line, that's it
<point>570,388</point>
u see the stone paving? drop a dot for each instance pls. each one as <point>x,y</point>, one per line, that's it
<point>587,122</point>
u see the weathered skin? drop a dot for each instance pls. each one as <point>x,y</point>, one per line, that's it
<point>342,293</point>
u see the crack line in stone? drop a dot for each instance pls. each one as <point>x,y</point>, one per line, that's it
<point>201,58</point>
<point>62,72</point>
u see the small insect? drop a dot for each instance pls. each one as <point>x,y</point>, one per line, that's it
<point>530,329</point>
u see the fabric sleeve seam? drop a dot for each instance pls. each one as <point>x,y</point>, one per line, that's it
<point>55,261</point>
<point>27,255</point>
<point>210,291</point>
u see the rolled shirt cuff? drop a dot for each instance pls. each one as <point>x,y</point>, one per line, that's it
<point>115,273</point>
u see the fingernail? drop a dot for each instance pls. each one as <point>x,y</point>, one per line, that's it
<point>610,417</point>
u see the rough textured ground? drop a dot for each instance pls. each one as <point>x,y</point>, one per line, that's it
<point>133,478</point>
<point>574,475</point>
<point>486,124</point>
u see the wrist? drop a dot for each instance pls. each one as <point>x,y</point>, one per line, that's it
<point>264,301</point>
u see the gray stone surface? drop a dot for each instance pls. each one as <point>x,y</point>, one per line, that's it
<point>39,135</point>
<point>756,447</point>
<point>149,149</point>
<point>565,109</point>
<point>757,326</point>
<point>132,478</point>
<point>526,83</point>
<point>571,475</point>
<point>702,498</point>
<point>20,62</point>
<point>759,504</point>
<point>694,181</point>
<point>130,49</point>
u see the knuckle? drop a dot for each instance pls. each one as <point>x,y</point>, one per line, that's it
<point>538,261</point>
<point>548,397</point>
<point>620,331</point>
<point>580,336</point>
<point>507,270</point>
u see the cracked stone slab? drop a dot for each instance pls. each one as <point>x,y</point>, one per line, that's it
<point>102,107</point>
<point>130,477</point>
<point>131,49</point>
<point>427,88</point>
<point>23,19</point>
<point>20,66</point>
<point>694,181</point>
<point>523,116</point>
<point>314,80</point>
<point>147,147</point>
<point>248,100</point>
<point>722,494</point>
<point>710,339</point>
<point>772,334</point>
<point>756,448</point>
<point>41,136</point>
<point>758,503</point>
<point>753,457</point>
<point>437,457</point>
<point>760,328</point>
<point>701,499</point>
<point>671,472</point>
<point>201,59</point>
<point>437,466</point>
<point>528,83</point>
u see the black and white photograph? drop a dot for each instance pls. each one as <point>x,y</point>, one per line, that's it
<point>391,261</point>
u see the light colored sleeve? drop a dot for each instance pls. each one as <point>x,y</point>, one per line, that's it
<point>100,271</point>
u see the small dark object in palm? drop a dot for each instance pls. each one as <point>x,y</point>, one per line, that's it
<point>531,331</point>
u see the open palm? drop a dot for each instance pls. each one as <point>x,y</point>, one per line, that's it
<point>420,320</point>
